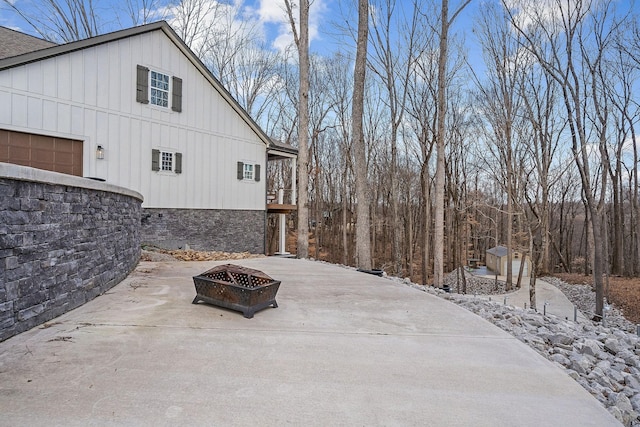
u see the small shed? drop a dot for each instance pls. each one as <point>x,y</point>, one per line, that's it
<point>497,261</point>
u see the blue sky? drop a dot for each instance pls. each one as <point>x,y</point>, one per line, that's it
<point>268,13</point>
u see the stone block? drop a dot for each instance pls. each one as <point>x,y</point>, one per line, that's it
<point>6,324</point>
<point>11,263</point>
<point>14,217</point>
<point>30,300</point>
<point>10,202</point>
<point>30,312</point>
<point>31,205</point>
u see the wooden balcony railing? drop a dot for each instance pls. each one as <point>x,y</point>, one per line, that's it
<point>283,204</point>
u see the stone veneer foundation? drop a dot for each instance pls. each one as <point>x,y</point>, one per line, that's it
<point>205,229</point>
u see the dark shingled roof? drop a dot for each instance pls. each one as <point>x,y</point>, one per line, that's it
<point>498,251</point>
<point>281,150</point>
<point>14,43</point>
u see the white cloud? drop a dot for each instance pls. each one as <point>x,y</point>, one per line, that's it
<point>551,14</point>
<point>273,12</point>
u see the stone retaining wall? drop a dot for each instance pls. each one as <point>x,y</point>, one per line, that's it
<point>205,229</point>
<point>63,241</point>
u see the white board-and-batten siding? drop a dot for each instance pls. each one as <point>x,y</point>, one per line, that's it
<point>90,95</point>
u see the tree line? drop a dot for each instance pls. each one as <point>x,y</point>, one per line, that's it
<point>415,158</point>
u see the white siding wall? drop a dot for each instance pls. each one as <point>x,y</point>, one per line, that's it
<point>91,95</point>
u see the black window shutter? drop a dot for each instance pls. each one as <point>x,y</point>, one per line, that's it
<point>240,170</point>
<point>155,160</point>
<point>257,172</point>
<point>176,98</point>
<point>178,168</point>
<point>142,84</point>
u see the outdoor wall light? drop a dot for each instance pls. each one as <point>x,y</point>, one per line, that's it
<point>100,152</point>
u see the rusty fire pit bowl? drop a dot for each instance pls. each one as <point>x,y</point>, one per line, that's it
<point>237,288</point>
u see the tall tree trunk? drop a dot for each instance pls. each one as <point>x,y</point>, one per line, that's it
<point>396,228</point>
<point>426,220</point>
<point>597,261</point>
<point>441,102</point>
<point>509,229</point>
<point>363,239</point>
<point>636,203</point>
<point>302,43</point>
<point>533,274</point>
<point>441,105</point>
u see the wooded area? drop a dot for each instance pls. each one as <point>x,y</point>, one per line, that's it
<point>534,148</point>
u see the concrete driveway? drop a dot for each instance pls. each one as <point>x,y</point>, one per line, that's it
<point>342,348</point>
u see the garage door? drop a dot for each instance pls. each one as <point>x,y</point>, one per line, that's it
<point>42,152</point>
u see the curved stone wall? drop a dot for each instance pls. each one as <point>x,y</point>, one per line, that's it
<point>63,241</point>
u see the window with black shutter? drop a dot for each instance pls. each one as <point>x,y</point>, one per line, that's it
<point>166,161</point>
<point>248,172</point>
<point>159,89</point>
<point>142,84</point>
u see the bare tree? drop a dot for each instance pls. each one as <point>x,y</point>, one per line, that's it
<point>620,77</point>
<point>569,43</point>
<point>340,87</point>
<point>539,94</point>
<point>140,12</point>
<point>625,66</point>
<point>393,64</point>
<point>422,112</point>
<point>301,39</point>
<point>60,20</point>
<point>501,102</point>
<point>363,236</point>
<point>438,245</point>
<point>197,22</point>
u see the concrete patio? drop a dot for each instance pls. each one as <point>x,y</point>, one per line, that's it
<point>342,348</point>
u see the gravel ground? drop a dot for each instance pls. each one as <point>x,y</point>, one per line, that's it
<point>475,285</point>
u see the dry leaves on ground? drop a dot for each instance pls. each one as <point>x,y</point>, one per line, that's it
<point>155,254</point>
<point>624,292</point>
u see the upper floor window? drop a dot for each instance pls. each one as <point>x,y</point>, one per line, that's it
<point>248,171</point>
<point>159,89</point>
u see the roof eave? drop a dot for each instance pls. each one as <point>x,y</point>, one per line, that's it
<point>166,28</point>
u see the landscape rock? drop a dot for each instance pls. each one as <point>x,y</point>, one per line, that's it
<point>560,339</point>
<point>590,347</point>
<point>630,358</point>
<point>635,402</point>
<point>633,382</point>
<point>612,345</point>
<point>621,402</point>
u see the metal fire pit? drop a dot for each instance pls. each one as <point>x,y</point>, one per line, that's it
<point>237,288</point>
